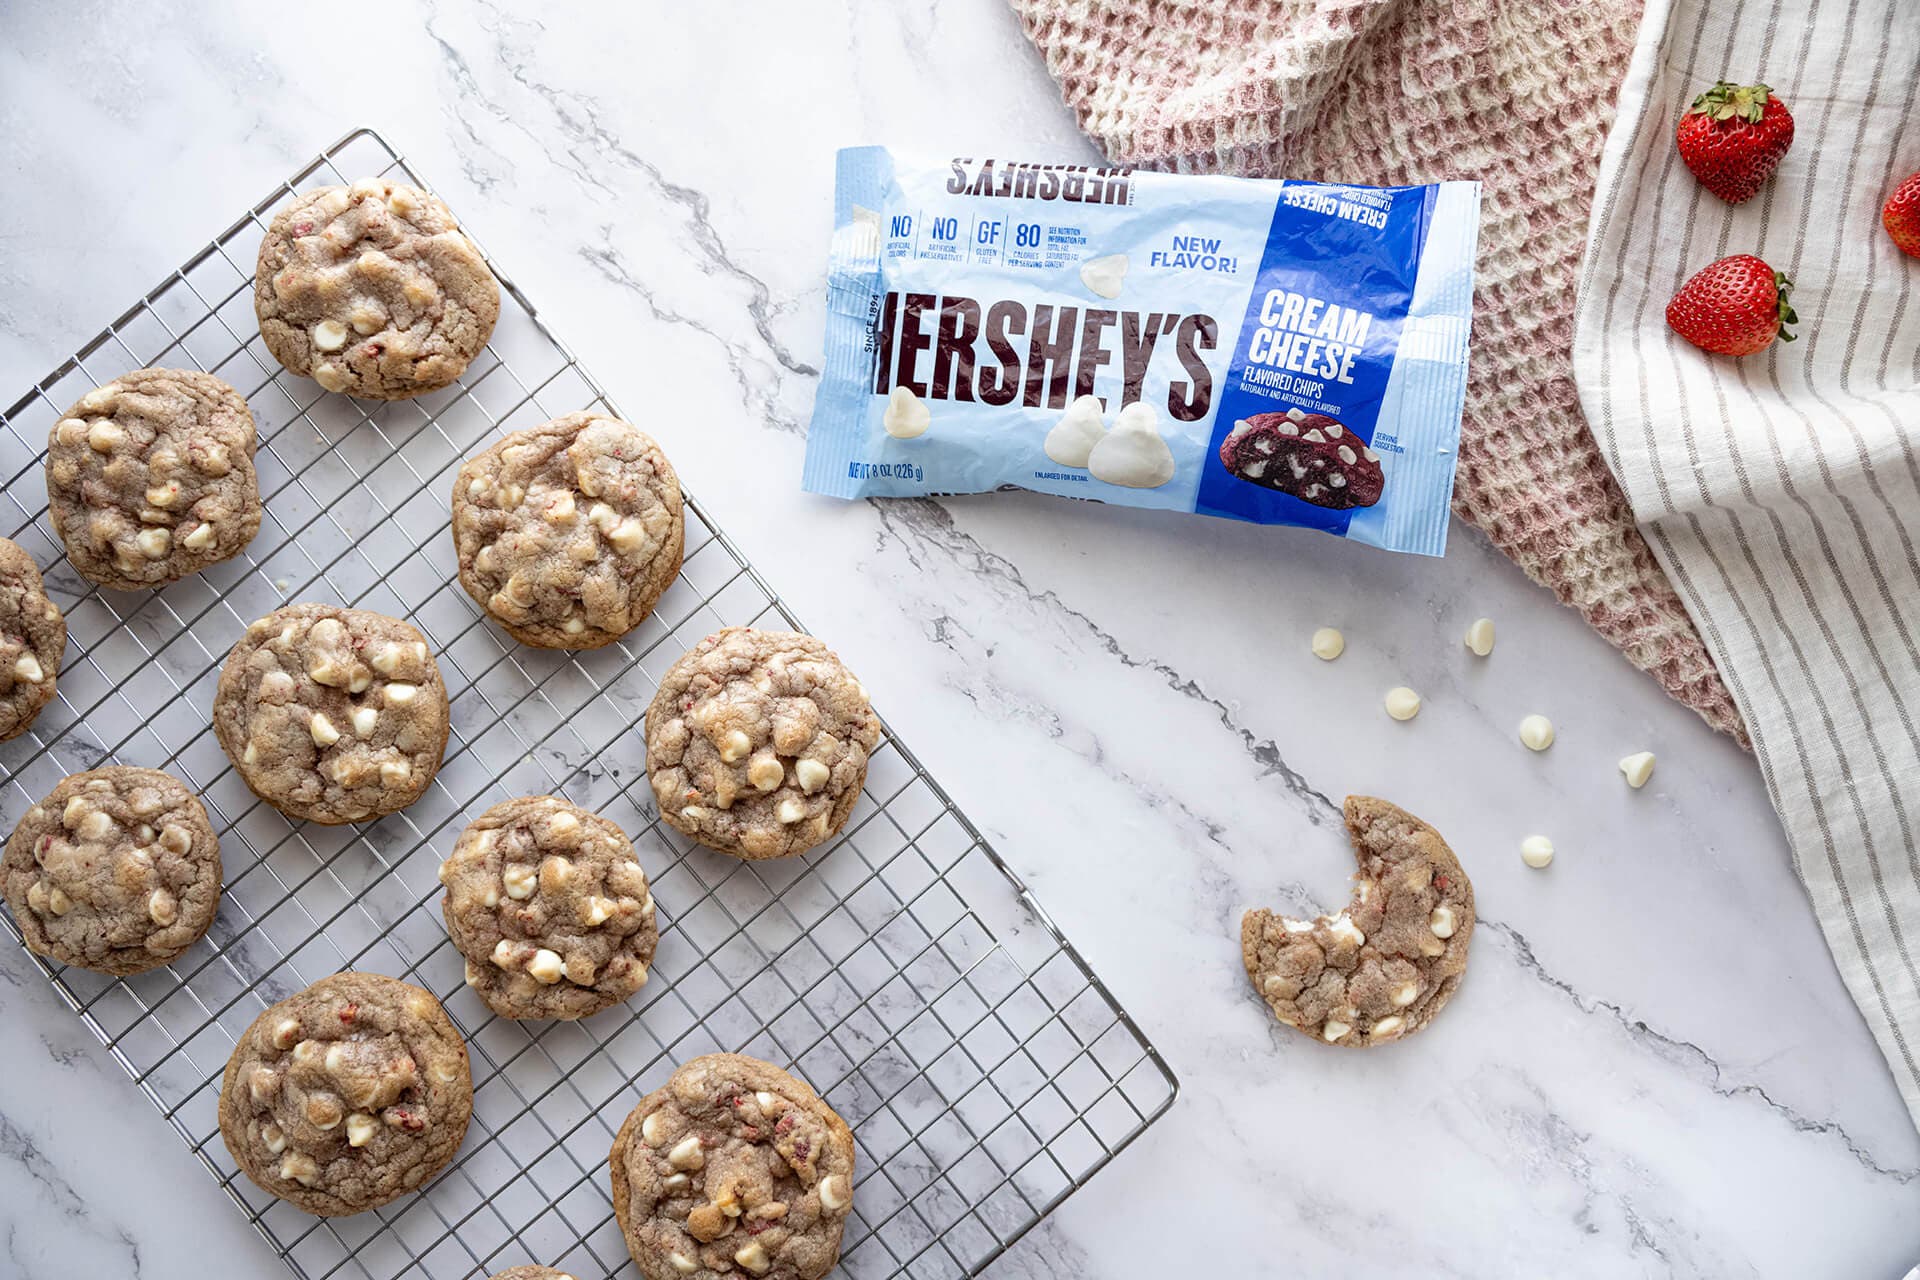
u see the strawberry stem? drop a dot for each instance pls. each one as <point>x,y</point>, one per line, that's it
<point>1727,101</point>
<point>1787,316</point>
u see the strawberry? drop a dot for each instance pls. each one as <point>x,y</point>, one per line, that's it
<point>1733,307</point>
<point>1733,137</point>
<point>1902,215</point>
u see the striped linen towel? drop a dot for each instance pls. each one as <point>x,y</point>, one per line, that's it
<point>1781,493</point>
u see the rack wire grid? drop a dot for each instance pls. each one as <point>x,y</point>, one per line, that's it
<point>903,969</point>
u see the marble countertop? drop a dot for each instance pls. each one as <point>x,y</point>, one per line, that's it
<point>1652,1068</point>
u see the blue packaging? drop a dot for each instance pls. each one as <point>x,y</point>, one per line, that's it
<point>1273,351</point>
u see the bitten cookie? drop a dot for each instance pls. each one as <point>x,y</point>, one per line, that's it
<point>116,870</point>
<point>735,1168</point>
<point>33,636</point>
<point>373,290</point>
<point>568,532</point>
<point>150,478</point>
<point>330,714</point>
<point>757,742</point>
<point>548,904</point>
<point>1309,455</point>
<point>347,1095</point>
<point>1383,967</point>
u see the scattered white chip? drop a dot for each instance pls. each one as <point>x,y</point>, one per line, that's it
<point>1402,703</point>
<point>1480,637</point>
<point>907,415</point>
<point>1637,767</point>
<point>1104,276</point>
<point>1536,732</point>
<point>1536,851</point>
<point>1328,644</point>
<point>1079,429</point>
<point>1132,454</point>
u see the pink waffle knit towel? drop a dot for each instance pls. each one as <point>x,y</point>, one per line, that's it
<point>1516,93</point>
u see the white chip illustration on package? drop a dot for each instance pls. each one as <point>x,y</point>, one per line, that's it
<point>1279,352</point>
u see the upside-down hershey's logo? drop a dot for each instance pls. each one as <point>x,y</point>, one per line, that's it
<point>1040,356</point>
<point>1021,180</point>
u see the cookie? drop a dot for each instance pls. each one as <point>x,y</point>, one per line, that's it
<point>116,870</point>
<point>1309,455</point>
<point>734,1169</point>
<point>568,532</point>
<point>347,1095</point>
<point>757,742</point>
<point>331,714</point>
<point>33,636</point>
<point>530,1273</point>
<point>548,904</point>
<point>1383,967</point>
<point>150,478</point>
<point>373,290</point>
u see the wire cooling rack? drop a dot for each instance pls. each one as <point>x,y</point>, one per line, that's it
<point>903,970</point>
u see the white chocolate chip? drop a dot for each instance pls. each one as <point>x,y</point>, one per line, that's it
<point>687,1154</point>
<point>765,772</point>
<point>1536,851</point>
<point>563,826</point>
<point>1536,733</point>
<point>58,902</point>
<point>163,907</point>
<point>37,896</point>
<point>596,911</point>
<point>154,543</point>
<point>324,734</point>
<point>683,1264</point>
<point>654,1128</point>
<point>163,495</point>
<point>360,1129</point>
<point>251,755</point>
<point>754,1258</point>
<point>199,539</point>
<point>735,746</point>
<point>1480,637</point>
<point>286,1033</point>
<point>1072,438</point>
<point>330,376</point>
<point>308,1052</point>
<point>835,1194</point>
<point>1385,1027</point>
<point>1104,276</point>
<point>1133,454</point>
<point>766,1100</point>
<point>505,954</point>
<point>364,719</point>
<point>298,1167</point>
<point>274,1138</point>
<point>95,826</point>
<point>790,810</point>
<point>1402,703</point>
<point>401,694</point>
<point>1441,921</point>
<point>1345,929</point>
<point>76,809</point>
<point>262,1085</point>
<point>175,838</point>
<point>1328,644</point>
<point>906,416</point>
<point>1334,1031</point>
<point>546,966</point>
<point>27,667</point>
<point>811,775</point>
<point>1406,995</point>
<point>521,881</point>
<point>628,536</point>
<point>1637,768</point>
<point>329,335</point>
<point>105,437</point>
<point>675,1183</point>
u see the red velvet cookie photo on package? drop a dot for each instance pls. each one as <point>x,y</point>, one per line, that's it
<point>1311,456</point>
